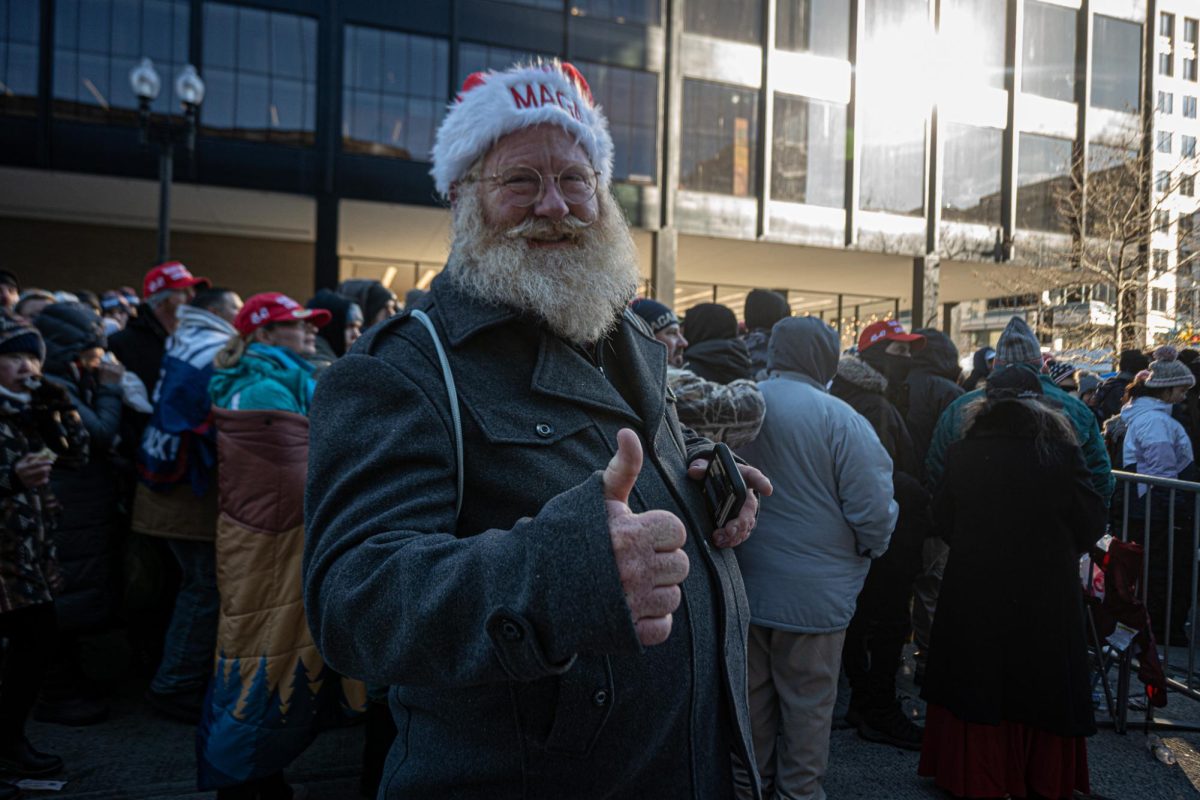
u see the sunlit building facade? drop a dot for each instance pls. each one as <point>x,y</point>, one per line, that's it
<point>856,154</point>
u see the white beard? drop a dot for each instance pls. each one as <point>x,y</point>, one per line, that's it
<point>578,290</point>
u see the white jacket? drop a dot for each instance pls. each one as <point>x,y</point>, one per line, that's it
<point>1154,441</point>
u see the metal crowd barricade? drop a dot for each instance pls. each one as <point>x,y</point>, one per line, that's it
<point>1154,535</point>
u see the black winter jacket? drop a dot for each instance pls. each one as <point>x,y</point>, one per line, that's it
<point>140,346</point>
<point>505,636</point>
<point>932,386</point>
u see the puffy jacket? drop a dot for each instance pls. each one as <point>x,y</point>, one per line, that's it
<point>731,413</point>
<point>267,378</point>
<point>1095,454</point>
<point>1155,442</point>
<point>832,509</point>
<point>932,387</point>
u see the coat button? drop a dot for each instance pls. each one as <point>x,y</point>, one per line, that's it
<point>600,698</point>
<point>510,631</point>
<point>544,430</point>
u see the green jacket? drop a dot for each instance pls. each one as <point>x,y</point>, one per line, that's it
<point>267,378</point>
<point>1091,441</point>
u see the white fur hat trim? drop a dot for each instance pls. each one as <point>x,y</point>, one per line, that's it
<point>493,104</point>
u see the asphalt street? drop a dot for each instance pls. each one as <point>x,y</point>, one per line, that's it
<point>138,755</point>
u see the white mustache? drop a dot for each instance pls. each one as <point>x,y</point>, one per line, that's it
<point>540,228</point>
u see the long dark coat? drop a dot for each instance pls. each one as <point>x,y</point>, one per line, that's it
<point>1008,638</point>
<point>514,665</point>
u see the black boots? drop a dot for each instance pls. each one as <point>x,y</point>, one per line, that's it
<point>23,760</point>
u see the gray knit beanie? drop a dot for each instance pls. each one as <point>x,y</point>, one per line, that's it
<point>1166,370</point>
<point>1018,345</point>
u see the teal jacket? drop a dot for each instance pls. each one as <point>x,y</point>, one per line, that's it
<point>1091,441</point>
<point>268,378</point>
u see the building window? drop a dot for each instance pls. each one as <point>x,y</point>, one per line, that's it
<point>1187,241</point>
<point>1049,51</point>
<point>808,152</point>
<point>1166,66</point>
<point>1163,141</point>
<point>1189,107</point>
<point>972,39</point>
<point>629,98</point>
<point>394,92</point>
<point>1187,186</point>
<point>1158,300</point>
<point>720,131</point>
<point>1162,181</point>
<point>1189,69</point>
<point>97,43</point>
<point>18,56</point>
<point>1187,146</point>
<point>814,26</point>
<point>1162,221</point>
<point>1043,174</point>
<point>1116,64</point>
<point>893,164</point>
<point>474,57</point>
<point>1189,30</point>
<point>642,12</point>
<point>1159,263</point>
<point>1166,103</point>
<point>971,174</point>
<point>740,20</point>
<point>260,68</point>
<point>1166,25</point>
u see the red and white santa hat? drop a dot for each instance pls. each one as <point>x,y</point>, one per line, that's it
<point>493,104</point>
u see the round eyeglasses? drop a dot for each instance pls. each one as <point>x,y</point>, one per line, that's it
<point>525,186</point>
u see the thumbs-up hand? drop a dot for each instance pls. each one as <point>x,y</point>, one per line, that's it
<point>647,546</point>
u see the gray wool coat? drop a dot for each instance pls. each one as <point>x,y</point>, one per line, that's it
<point>514,667</point>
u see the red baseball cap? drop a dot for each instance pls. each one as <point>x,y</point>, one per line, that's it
<point>892,331</point>
<point>170,275</point>
<point>275,307</point>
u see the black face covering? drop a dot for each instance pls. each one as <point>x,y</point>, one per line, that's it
<point>893,367</point>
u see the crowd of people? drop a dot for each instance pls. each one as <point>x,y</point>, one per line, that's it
<point>479,520</point>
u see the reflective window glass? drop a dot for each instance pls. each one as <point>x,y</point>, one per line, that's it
<point>1189,106</point>
<point>720,131</point>
<point>808,152</point>
<point>971,39</point>
<point>546,5</point>
<point>1187,146</point>
<point>19,56</point>
<point>1189,69</point>
<point>98,42</point>
<point>394,92</point>
<point>813,26</point>
<point>1166,103</point>
<point>1190,30</point>
<point>643,12</point>
<point>1043,173</point>
<point>260,70</point>
<point>1114,175</point>
<point>629,98</point>
<point>473,57</point>
<point>971,173</point>
<point>1166,64</point>
<point>1116,64</point>
<point>1048,55</point>
<point>893,165</point>
<point>1163,141</point>
<point>740,20</point>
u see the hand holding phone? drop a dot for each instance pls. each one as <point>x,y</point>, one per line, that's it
<point>724,487</point>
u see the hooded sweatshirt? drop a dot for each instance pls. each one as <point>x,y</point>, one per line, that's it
<point>832,509</point>
<point>932,387</point>
<point>714,352</point>
<point>1155,442</point>
<point>371,296</point>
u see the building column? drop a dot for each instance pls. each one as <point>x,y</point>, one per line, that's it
<point>325,262</point>
<point>663,256</point>
<point>926,277</point>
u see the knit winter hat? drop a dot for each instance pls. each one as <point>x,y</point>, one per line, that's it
<point>657,315</point>
<point>1018,345</point>
<point>1062,373</point>
<point>19,337</point>
<point>1087,381</point>
<point>764,308</point>
<point>1166,370</point>
<point>492,104</point>
<point>1132,361</point>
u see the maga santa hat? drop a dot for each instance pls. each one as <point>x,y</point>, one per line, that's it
<point>492,104</point>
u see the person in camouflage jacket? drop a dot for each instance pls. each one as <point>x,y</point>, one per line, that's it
<point>38,425</point>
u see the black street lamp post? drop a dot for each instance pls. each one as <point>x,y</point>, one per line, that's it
<point>146,84</point>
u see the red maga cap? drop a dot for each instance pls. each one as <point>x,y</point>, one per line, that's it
<point>276,307</point>
<point>170,275</point>
<point>892,331</point>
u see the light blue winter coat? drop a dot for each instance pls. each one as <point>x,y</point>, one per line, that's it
<point>832,510</point>
<point>1154,440</point>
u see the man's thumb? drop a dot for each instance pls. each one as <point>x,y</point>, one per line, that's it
<point>621,473</point>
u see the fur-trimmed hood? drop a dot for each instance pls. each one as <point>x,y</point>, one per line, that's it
<point>859,373</point>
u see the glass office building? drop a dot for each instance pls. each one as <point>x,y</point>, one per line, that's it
<point>836,149</point>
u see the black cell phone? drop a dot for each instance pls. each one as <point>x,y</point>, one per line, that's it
<point>724,486</point>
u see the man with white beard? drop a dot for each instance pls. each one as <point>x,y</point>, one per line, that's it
<point>554,613</point>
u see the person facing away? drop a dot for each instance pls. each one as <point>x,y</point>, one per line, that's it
<point>1007,684</point>
<point>714,351</point>
<point>762,310</point>
<point>982,362</point>
<point>1110,395</point>
<point>932,386</point>
<point>38,426</point>
<point>554,627</point>
<point>722,412</point>
<point>831,513</point>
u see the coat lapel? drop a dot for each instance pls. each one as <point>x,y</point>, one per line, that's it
<point>564,373</point>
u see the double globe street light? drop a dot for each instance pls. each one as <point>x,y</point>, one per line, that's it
<point>146,83</point>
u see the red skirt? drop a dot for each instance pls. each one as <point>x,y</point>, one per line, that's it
<point>973,760</point>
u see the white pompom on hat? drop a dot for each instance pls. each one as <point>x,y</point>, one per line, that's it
<point>1166,370</point>
<point>493,104</point>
